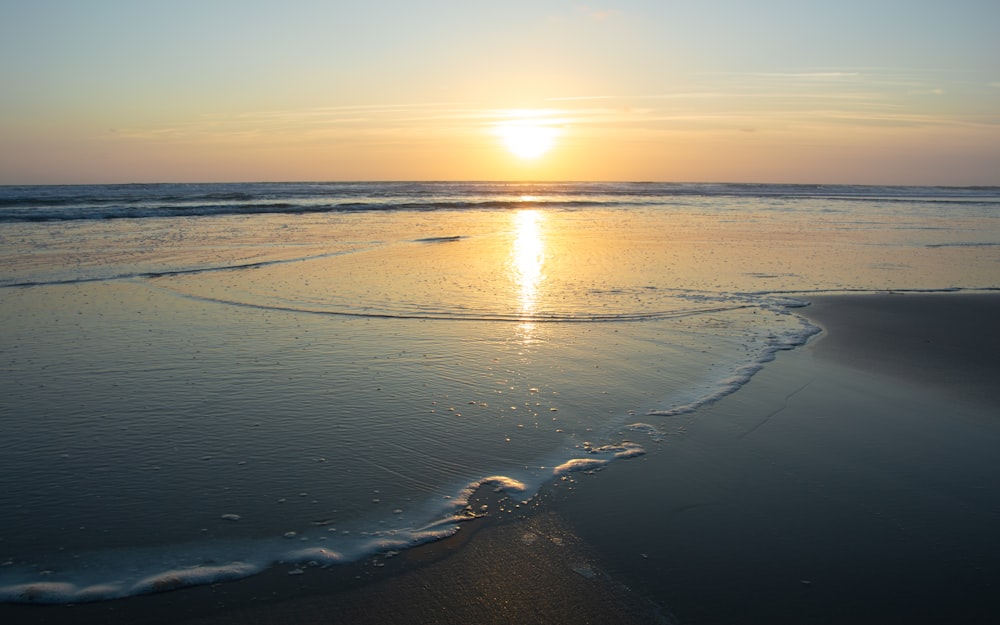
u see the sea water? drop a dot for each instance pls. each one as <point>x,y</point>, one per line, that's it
<point>204,381</point>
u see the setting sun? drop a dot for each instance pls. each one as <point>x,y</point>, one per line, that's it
<point>527,138</point>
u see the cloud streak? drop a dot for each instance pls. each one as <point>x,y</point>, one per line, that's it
<point>777,101</point>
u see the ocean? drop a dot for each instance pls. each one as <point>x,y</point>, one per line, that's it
<point>205,381</point>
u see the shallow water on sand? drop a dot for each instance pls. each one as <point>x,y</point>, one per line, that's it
<point>202,397</point>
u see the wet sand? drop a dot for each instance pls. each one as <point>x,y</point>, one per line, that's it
<point>851,481</point>
<point>944,341</point>
<point>520,564</point>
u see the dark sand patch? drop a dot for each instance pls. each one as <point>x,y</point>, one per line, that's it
<point>825,493</point>
<point>950,341</point>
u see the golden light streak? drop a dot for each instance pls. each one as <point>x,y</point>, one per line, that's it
<point>527,259</point>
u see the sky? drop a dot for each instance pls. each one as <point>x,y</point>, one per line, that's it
<point>852,91</point>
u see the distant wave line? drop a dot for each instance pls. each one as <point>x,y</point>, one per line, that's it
<point>286,208</point>
<point>481,317</point>
<point>170,272</point>
<point>96,202</point>
<point>968,244</point>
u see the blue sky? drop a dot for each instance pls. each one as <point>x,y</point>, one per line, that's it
<point>772,91</point>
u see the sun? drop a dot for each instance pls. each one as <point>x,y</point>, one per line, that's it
<point>527,138</point>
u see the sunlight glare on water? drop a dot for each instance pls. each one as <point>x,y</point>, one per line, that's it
<point>528,259</point>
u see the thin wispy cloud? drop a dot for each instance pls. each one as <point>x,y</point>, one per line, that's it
<point>817,97</point>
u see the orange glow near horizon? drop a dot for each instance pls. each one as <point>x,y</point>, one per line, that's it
<point>540,91</point>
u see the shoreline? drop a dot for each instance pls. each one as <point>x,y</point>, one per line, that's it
<point>848,481</point>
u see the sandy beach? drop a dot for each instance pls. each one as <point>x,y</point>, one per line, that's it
<point>852,481</point>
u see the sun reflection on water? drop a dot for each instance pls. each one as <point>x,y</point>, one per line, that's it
<point>527,261</point>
